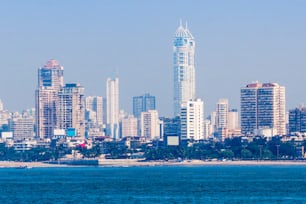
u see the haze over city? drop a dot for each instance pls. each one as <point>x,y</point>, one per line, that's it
<point>236,43</point>
<point>159,101</point>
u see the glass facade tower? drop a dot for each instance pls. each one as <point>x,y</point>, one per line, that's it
<point>143,104</point>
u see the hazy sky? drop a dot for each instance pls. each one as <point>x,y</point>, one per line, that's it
<point>237,42</point>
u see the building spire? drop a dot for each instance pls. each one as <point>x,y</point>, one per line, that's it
<point>186,26</point>
<point>181,23</point>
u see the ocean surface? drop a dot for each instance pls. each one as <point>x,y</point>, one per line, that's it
<point>166,184</point>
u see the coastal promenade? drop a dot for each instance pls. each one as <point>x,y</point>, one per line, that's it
<point>12,164</point>
<point>135,162</point>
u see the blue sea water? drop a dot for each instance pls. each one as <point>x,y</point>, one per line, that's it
<point>166,184</point>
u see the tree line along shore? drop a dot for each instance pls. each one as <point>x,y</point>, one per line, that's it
<point>233,149</point>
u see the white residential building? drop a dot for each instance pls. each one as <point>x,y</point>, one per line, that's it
<point>192,120</point>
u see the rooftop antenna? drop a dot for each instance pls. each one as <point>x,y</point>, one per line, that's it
<point>186,26</point>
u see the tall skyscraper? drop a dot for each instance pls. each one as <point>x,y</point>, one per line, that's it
<point>263,106</point>
<point>50,80</point>
<point>184,67</point>
<point>112,103</point>
<point>192,120</point>
<point>72,109</point>
<point>143,104</point>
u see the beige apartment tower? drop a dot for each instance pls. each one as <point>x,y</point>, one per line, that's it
<point>72,109</point>
<point>50,80</point>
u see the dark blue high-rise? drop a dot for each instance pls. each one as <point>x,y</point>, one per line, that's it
<point>143,104</point>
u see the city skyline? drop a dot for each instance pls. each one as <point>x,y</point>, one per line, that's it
<point>235,46</point>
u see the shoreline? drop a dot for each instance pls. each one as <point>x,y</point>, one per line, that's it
<point>13,164</point>
<point>131,163</point>
<point>142,163</point>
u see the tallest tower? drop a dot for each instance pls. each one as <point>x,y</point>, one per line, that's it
<point>184,69</point>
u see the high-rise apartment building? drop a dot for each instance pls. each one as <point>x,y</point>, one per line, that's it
<point>50,80</point>
<point>184,67</point>
<point>143,104</point>
<point>72,109</point>
<point>248,108</point>
<point>112,103</point>
<point>192,120</point>
<point>22,128</point>
<point>171,126</point>
<point>150,125</point>
<point>297,120</point>
<point>222,113</point>
<point>233,119</point>
<point>262,107</point>
<point>94,107</point>
<point>129,126</point>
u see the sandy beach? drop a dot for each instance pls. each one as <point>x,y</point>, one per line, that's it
<point>135,162</point>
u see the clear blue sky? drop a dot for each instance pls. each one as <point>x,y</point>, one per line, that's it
<point>237,42</point>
